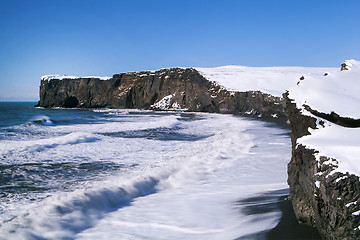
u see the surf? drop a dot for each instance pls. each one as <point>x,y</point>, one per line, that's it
<point>174,175</point>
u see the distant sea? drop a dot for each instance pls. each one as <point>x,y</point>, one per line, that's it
<point>135,174</point>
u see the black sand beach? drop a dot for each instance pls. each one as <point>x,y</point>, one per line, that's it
<point>287,228</point>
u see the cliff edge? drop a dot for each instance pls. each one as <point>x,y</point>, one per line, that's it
<point>324,170</point>
<point>166,89</point>
<point>320,104</point>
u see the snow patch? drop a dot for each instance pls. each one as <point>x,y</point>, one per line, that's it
<point>175,105</point>
<point>252,111</point>
<point>164,103</point>
<point>349,204</point>
<point>336,142</point>
<point>62,77</point>
<point>340,178</point>
<point>357,213</point>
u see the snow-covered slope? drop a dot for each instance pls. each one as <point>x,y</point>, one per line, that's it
<point>337,92</point>
<point>272,80</point>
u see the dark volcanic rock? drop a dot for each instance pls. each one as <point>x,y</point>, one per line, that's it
<point>335,118</point>
<point>321,197</point>
<point>175,88</point>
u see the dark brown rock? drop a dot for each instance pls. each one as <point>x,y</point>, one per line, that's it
<point>187,87</point>
<point>321,196</point>
<point>335,118</point>
<point>344,66</point>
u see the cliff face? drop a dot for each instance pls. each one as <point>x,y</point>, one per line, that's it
<point>323,173</point>
<point>166,89</point>
<point>322,196</point>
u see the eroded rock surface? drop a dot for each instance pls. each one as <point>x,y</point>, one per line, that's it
<point>322,196</point>
<point>166,89</point>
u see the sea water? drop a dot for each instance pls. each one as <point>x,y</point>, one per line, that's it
<point>134,174</point>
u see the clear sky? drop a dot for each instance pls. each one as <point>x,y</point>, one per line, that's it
<point>104,37</point>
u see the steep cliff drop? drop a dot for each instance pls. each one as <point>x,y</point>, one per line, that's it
<point>167,89</point>
<point>320,104</point>
<point>324,170</point>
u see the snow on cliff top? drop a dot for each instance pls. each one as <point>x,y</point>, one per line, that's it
<point>272,80</point>
<point>339,91</point>
<point>336,142</point>
<point>323,89</point>
<point>62,77</point>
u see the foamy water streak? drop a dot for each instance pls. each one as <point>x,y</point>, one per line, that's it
<point>168,176</point>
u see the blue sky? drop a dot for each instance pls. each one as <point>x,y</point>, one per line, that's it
<point>106,37</point>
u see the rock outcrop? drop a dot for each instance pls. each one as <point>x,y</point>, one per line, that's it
<point>323,173</point>
<point>322,196</point>
<point>166,89</point>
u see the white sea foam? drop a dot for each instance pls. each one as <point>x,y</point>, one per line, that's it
<point>44,120</point>
<point>32,146</point>
<point>173,190</point>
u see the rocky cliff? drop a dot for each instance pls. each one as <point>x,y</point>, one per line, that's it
<point>321,196</point>
<point>166,89</point>
<point>324,191</point>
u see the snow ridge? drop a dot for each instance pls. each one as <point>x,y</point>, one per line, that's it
<point>62,77</point>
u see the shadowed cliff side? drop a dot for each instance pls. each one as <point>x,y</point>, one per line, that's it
<point>321,196</point>
<point>165,89</point>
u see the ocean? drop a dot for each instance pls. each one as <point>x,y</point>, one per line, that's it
<point>136,174</point>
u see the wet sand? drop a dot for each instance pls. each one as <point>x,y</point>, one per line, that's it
<point>288,228</point>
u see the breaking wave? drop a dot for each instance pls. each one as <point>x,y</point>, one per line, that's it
<point>109,172</point>
<point>64,215</point>
<point>41,120</point>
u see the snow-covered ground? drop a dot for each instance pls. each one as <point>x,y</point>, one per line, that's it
<point>272,80</point>
<point>337,92</point>
<point>323,89</point>
<point>336,142</point>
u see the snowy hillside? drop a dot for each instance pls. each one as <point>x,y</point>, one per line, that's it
<point>272,80</point>
<point>338,91</point>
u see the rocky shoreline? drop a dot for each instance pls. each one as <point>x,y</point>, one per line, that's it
<point>166,89</point>
<point>319,198</point>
